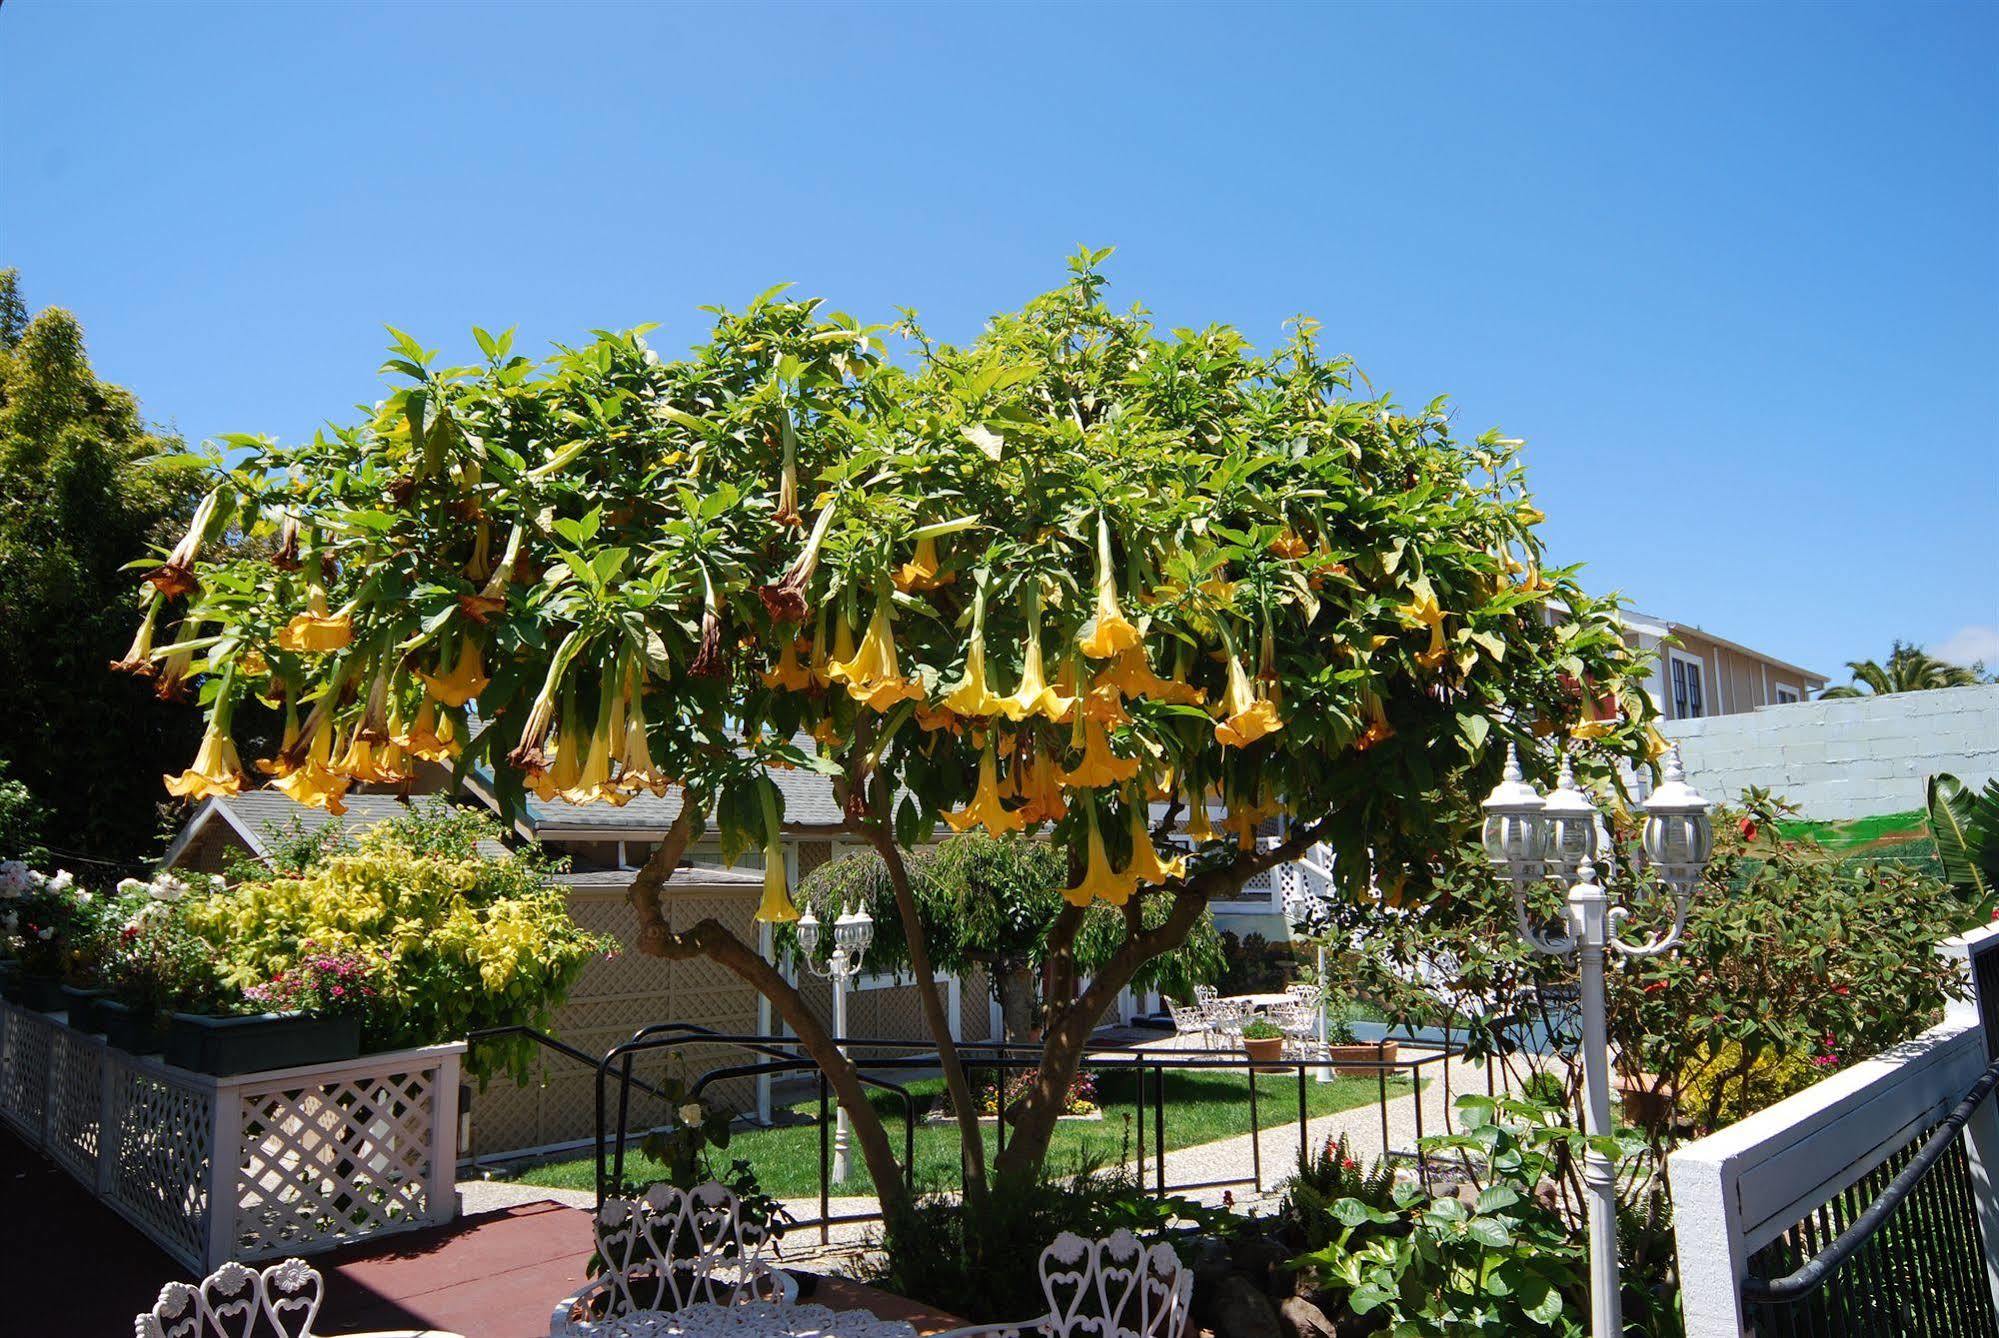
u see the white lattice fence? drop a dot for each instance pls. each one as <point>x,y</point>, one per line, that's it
<point>246,1166</point>
<point>74,1105</point>
<point>24,1071</point>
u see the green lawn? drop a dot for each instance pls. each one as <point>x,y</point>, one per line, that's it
<point>1200,1108</point>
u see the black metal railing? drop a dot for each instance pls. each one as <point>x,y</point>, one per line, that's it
<point>987,1064</point>
<point>1898,1254</point>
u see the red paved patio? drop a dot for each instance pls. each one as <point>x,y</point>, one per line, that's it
<point>497,1275</point>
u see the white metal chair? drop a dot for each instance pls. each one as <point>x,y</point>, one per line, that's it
<point>1109,1288</point>
<point>237,1301</point>
<point>1190,1020</point>
<point>1206,994</point>
<point>1298,1023</point>
<point>675,1248</point>
<point>1225,1018</point>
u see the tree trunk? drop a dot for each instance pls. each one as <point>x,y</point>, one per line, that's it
<point>713,940</point>
<point>1013,980</point>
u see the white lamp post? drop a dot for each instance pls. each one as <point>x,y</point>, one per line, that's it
<point>852,933</point>
<point>1531,837</point>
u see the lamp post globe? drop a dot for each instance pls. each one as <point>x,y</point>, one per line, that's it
<point>1569,824</point>
<point>1515,833</point>
<point>1679,834</point>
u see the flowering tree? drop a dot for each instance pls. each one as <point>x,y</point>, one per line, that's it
<point>1050,580</point>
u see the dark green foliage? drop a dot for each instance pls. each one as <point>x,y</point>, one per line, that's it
<point>988,902</point>
<point>1965,823</point>
<point>22,821</point>
<point>81,493</point>
<point>1255,965</point>
<point>984,1266</point>
<point>1323,1180</point>
<point>1433,1263</point>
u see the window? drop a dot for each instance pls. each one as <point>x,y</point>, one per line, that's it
<point>1787,693</point>
<point>1687,703</point>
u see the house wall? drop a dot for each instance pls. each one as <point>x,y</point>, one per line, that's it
<point>214,849</point>
<point>1850,757</point>
<point>1733,681</point>
<point>613,998</point>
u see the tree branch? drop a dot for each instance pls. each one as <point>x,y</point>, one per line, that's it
<point>973,1152</point>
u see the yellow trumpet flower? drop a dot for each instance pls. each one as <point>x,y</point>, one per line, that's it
<point>636,769</point>
<point>1131,674</point>
<point>819,664</point>
<point>1289,544</point>
<point>934,718</point>
<point>594,782</point>
<point>1145,865</point>
<point>139,659</point>
<point>1422,610</point>
<point>216,770</point>
<point>1656,746</point>
<point>312,781</point>
<point>1198,826</point>
<point>1045,800</point>
<point>872,676</point>
<point>1178,689</point>
<point>1099,767</point>
<point>434,735</point>
<point>317,630</point>
<point>1109,633</point>
<point>286,760</point>
<point>466,679</point>
<point>788,675</point>
<point>1593,729</point>
<point>1034,696</point>
<point>1378,729</point>
<point>973,696</point>
<point>492,596</point>
<point>1100,882</point>
<point>1246,717</point>
<point>986,810</point>
<point>776,904</point>
<point>924,570</point>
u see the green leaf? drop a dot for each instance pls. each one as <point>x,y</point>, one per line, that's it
<point>1966,828</point>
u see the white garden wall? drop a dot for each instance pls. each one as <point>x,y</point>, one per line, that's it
<point>1847,758</point>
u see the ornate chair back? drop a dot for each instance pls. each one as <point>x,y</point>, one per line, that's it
<point>1206,994</point>
<point>1109,1288</point>
<point>673,1248</point>
<point>1190,1020</point>
<point>237,1301</point>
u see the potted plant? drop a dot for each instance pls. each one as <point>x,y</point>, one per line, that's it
<point>1264,1044</point>
<point>154,965</point>
<point>308,1013</point>
<point>39,914</point>
<point>1351,1057</point>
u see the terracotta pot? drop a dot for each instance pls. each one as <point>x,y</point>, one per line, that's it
<point>1361,1060</point>
<point>1267,1050</point>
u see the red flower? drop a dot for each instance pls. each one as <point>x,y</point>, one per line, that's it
<point>1655,987</point>
<point>1748,829</point>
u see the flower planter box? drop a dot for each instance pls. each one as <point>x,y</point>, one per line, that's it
<point>246,1166</point>
<point>136,1031</point>
<point>257,1041</point>
<point>81,1005</point>
<point>41,993</point>
<point>1361,1060</point>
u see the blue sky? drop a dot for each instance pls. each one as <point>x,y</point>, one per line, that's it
<point>1732,270</point>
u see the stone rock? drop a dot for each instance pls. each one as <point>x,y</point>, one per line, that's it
<point>1299,1318</point>
<point>1242,1310</point>
<point>1260,1256</point>
<point>1208,1260</point>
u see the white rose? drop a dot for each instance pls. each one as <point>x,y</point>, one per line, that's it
<point>128,886</point>
<point>691,1113</point>
<point>63,881</point>
<point>218,883</point>
<point>15,877</point>
<point>46,934</point>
